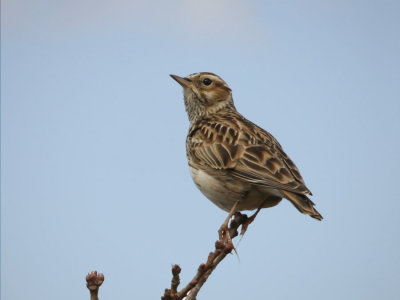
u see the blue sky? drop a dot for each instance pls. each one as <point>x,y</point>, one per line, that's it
<point>93,167</point>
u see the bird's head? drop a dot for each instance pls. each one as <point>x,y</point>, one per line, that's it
<point>205,94</point>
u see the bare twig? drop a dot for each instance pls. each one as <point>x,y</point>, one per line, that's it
<point>222,247</point>
<point>93,282</point>
<point>175,278</point>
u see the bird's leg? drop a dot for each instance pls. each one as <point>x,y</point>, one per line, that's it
<point>250,220</point>
<point>223,232</point>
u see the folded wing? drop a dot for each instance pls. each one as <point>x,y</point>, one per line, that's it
<point>246,151</point>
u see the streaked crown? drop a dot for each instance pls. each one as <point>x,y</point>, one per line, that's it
<point>204,94</point>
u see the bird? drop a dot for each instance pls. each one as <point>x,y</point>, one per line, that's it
<point>235,163</point>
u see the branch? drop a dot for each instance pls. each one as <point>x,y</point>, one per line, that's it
<point>93,282</point>
<point>222,247</point>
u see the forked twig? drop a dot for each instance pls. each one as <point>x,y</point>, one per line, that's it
<point>222,247</point>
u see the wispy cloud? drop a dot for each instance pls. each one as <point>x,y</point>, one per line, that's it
<point>231,17</point>
<point>218,19</point>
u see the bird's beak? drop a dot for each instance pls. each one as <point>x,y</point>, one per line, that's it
<point>182,81</point>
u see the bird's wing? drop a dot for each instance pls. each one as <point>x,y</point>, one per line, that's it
<point>244,150</point>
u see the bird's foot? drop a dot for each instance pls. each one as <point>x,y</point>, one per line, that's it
<point>248,221</point>
<point>224,234</point>
<point>245,225</point>
<point>223,231</point>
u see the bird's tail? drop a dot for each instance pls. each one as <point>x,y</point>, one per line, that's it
<point>303,204</point>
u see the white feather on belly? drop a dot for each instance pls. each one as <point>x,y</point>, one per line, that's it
<point>224,192</point>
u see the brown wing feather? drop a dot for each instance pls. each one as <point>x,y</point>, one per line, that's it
<point>245,150</point>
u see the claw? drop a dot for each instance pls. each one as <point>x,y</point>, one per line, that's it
<point>223,232</point>
<point>250,220</point>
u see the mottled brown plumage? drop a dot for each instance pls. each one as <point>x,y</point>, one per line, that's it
<point>230,158</point>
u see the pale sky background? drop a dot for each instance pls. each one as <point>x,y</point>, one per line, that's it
<point>93,167</point>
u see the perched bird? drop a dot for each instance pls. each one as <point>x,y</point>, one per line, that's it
<point>236,164</point>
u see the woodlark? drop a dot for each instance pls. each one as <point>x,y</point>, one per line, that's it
<point>236,164</point>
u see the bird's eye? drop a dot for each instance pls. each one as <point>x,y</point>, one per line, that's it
<point>207,81</point>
